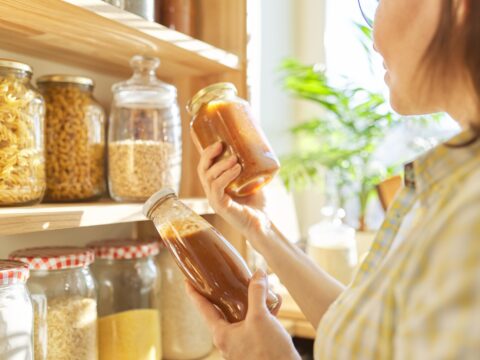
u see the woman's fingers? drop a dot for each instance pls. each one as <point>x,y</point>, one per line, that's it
<point>208,156</point>
<point>220,183</point>
<point>257,294</point>
<point>220,167</point>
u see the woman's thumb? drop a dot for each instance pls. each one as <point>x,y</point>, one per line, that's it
<point>257,293</point>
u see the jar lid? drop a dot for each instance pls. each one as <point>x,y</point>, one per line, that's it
<point>13,272</point>
<point>122,249</point>
<point>12,64</point>
<point>208,94</point>
<point>155,198</point>
<point>73,79</point>
<point>54,257</point>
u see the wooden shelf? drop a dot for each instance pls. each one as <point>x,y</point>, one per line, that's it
<point>98,36</point>
<point>43,217</point>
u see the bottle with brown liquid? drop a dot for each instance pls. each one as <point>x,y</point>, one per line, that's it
<point>220,115</point>
<point>208,260</point>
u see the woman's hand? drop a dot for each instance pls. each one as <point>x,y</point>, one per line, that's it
<point>245,213</point>
<point>259,337</point>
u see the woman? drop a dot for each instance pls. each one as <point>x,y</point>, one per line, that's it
<point>417,295</point>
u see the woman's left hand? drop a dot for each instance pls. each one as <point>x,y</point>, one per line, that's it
<point>259,337</point>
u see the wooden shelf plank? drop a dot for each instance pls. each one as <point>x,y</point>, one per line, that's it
<point>43,217</point>
<point>102,37</point>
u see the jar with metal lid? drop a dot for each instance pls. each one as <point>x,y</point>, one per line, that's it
<point>218,114</point>
<point>204,255</point>
<point>128,286</point>
<point>144,139</point>
<point>16,312</point>
<point>64,301</point>
<point>74,138</point>
<point>22,162</point>
<point>185,335</point>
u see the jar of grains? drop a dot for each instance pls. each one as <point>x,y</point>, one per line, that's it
<point>144,140</point>
<point>185,334</point>
<point>22,110</point>
<point>64,302</point>
<point>75,138</point>
<point>128,293</point>
<point>16,313</point>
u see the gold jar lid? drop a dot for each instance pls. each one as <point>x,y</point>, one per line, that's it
<point>208,94</point>
<point>16,65</point>
<point>70,79</point>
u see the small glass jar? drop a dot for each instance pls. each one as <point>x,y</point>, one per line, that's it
<point>203,255</point>
<point>75,139</point>
<point>16,312</point>
<point>64,301</point>
<point>185,335</point>
<point>218,114</point>
<point>22,111</point>
<point>144,139</point>
<point>128,291</point>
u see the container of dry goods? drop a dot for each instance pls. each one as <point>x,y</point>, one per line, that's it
<point>16,312</point>
<point>218,114</point>
<point>128,287</point>
<point>64,301</point>
<point>185,334</point>
<point>74,138</point>
<point>144,139</point>
<point>203,255</point>
<point>22,162</point>
<point>178,15</point>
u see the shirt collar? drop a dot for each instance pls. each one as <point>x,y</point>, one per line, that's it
<point>440,162</point>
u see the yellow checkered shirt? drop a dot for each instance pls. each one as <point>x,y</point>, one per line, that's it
<point>423,302</point>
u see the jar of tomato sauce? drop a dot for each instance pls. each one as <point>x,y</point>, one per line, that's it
<point>218,114</point>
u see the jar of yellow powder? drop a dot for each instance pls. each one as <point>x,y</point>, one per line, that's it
<point>128,287</point>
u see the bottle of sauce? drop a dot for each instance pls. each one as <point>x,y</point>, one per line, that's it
<point>207,259</point>
<point>220,115</point>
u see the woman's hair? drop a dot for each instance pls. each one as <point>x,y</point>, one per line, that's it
<point>457,45</point>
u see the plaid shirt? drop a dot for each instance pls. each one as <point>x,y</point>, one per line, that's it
<point>423,302</point>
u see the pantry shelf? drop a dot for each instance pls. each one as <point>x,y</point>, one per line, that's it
<point>44,217</point>
<point>98,36</point>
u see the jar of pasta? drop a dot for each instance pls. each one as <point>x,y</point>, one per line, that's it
<point>185,335</point>
<point>22,162</point>
<point>144,139</point>
<point>64,301</point>
<point>128,293</point>
<point>16,313</point>
<point>75,139</point>
<point>220,115</point>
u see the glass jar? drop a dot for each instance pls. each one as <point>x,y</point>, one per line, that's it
<point>144,139</point>
<point>204,255</point>
<point>128,291</point>
<point>64,302</point>
<point>16,312</point>
<point>74,139</point>
<point>218,114</point>
<point>185,335</point>
<point>22,111</point>
<point>178,15</point>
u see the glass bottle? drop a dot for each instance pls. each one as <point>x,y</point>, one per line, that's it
<point>178,15</point>
<point>218,114</point>
<point>144,138</point>
<point>208,260</point>
<point>75,138</point>
<point>22,161</point>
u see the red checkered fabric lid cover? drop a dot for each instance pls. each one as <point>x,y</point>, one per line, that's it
<point>118,249</point>
<point>13,272</point>
<point>54,257</point>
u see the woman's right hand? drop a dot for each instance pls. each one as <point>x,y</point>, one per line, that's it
<point>245,213</point>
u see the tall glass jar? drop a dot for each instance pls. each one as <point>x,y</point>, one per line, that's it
<point>64,301</point>
<point>16,312</point>
<point>22,162</point>
<point>144,139</point>
<point>218,114</point>
<point>128,291</point>
<point>75,138</point>
<point>185,335</point>
<point>204,255</point>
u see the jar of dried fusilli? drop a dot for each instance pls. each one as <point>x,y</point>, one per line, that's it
<point>22,111</point>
